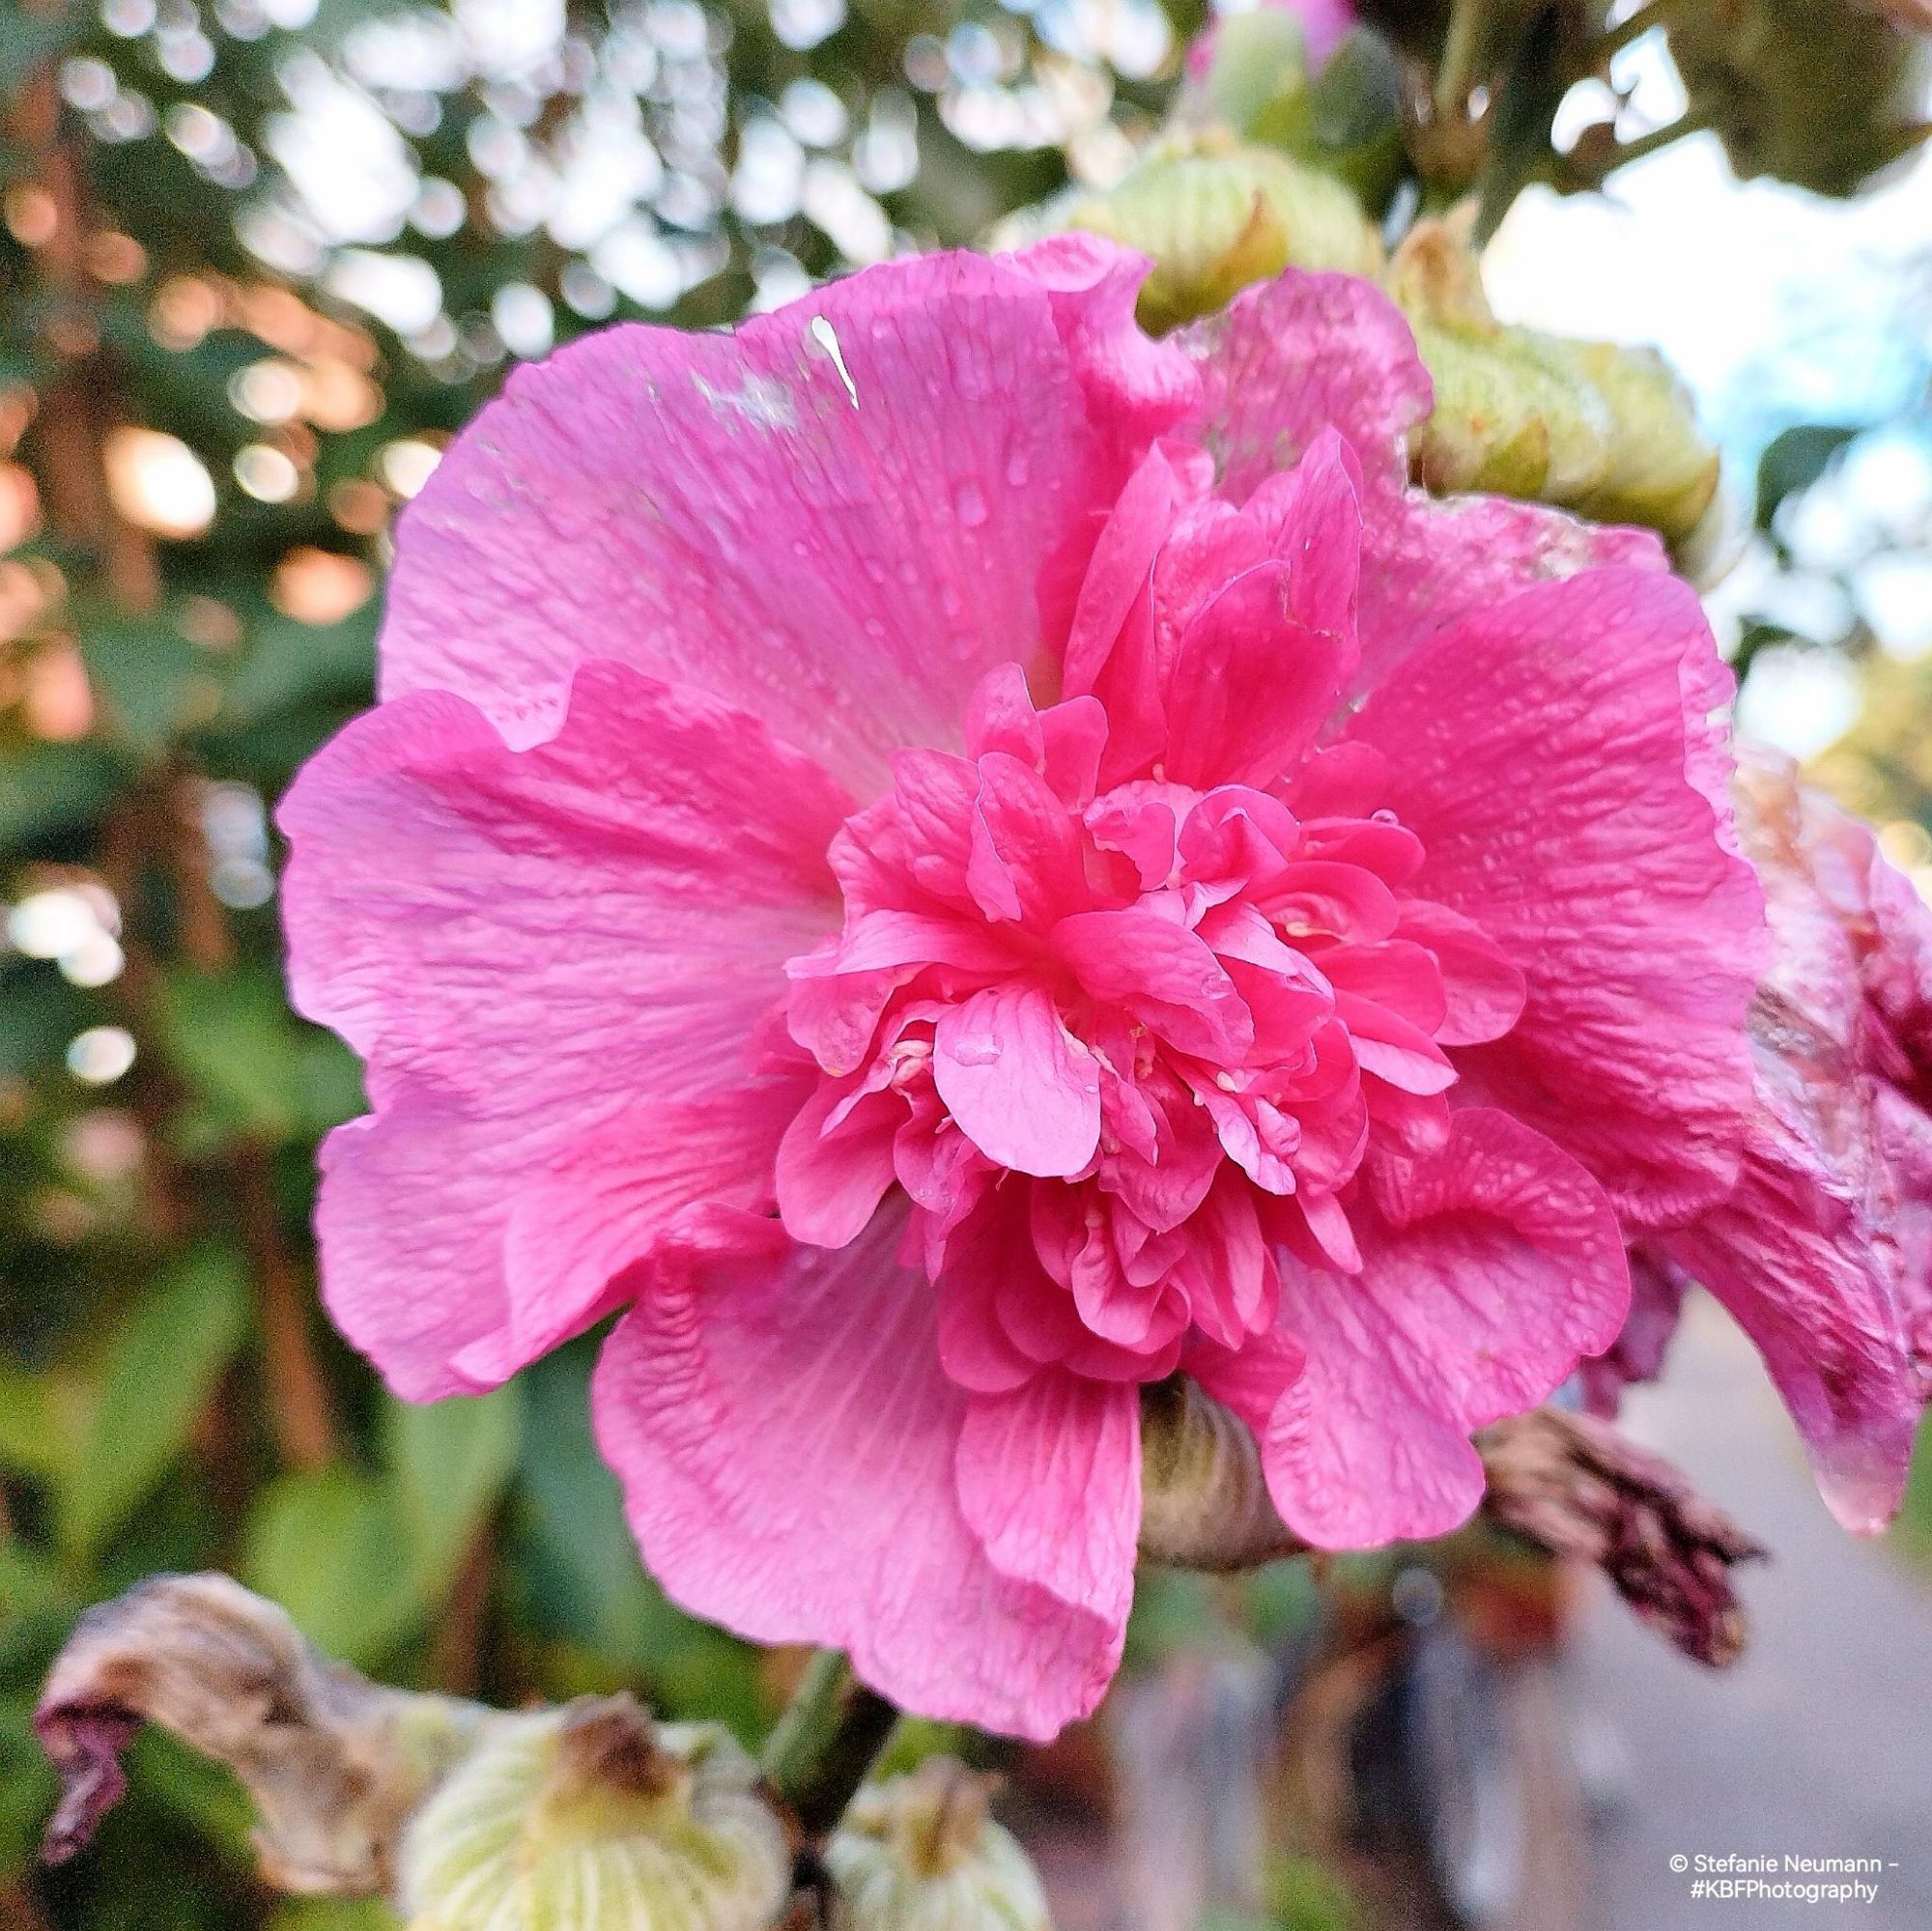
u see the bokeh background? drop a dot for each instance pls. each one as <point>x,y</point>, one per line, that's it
<point>260,259</point>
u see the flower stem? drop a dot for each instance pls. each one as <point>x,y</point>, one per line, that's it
<point>829,1737</point>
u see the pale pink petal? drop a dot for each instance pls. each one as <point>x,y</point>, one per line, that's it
<point>1050,1481</point>
<point>1544,754</point>
<point>524,947</point>
<point>842,562</point>
<point>1490,1269</point>
<point>787,1444</point>
<point>1022,1089</point>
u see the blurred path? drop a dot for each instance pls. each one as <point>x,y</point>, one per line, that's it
<point>1820,1741</point>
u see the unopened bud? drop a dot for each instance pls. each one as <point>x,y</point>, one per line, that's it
<point>921,1853</point>
<point>1213,217</point>
<point>1595,427</point>
<point>595,1818</point>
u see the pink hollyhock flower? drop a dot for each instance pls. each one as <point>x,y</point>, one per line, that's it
<point>1824,1251</point>
<point>957,860</point>
<point>1324,25</point>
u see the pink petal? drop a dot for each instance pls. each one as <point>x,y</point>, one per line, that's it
<point>1021,1088</point>
<point>787,1444</point>
<point>1025,864</point>
<point>1800,1261</point>
<point>1548,757</point>
<point>1303,354</point>
<point>453,1253</point>
<point>1306,352</point>
<point>523,946</point>
<point>1163,974</point>
<point>720,508</point>
<point>1492,1267</point>
<point>1050,1481</point>
<point>832,1174</point>
<point>1250,687</point>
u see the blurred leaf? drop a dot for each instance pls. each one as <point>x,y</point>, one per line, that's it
<point>28,1787</point>
<point>36,1606</point>
<point>160,1371</point>
<point>32,1435</point>
<point>331,1546</point>
<point>47,787</point>
<point>293,664</point>
<point>156,681</point>
<point>335,1913</point>
<point>1793,461</point>
<point>28,38</point>
<point>232,1040</point>
<point>196,1790</point>
<point>450,1462</point>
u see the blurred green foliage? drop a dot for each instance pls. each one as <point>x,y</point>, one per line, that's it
<point>260,258</point>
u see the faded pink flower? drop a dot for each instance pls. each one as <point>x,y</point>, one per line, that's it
<point>1824,1251</point>
<point>959,861</point>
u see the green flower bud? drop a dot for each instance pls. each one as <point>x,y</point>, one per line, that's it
<point>594,1818</point>
<point>921,1853</point>
<point>1601,429</point>
<point>1213,217</point>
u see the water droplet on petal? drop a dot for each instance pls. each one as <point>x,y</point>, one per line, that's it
<point>970,501</point>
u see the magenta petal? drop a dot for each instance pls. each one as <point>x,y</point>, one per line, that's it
<point>841,561</point>
<point>451,1257</point>
<point>1050,1481</point>
<point>1303,354</point>
<point>1553,755</point>
<point>1250,685</point>
<point>788,1443</point>
<point>1164,975</point>
<point>1023,1090</point>
<point>1494,1266</point>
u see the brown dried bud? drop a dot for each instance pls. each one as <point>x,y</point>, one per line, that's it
<point>1575,1486</point>
<point>334,1762</point>
<point>1568,1482</point>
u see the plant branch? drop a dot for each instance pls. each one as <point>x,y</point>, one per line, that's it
<point>829,1737</point>
<point>1457,74</point>
<point>1633,26</point>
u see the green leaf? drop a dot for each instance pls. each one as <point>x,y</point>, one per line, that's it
<point>1795,460</point>
<point>449,1464</point>
<point>161,1370</point>
<point>331,1547</point>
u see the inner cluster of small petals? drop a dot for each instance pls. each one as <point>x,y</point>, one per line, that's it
<point>1151,1029</point>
